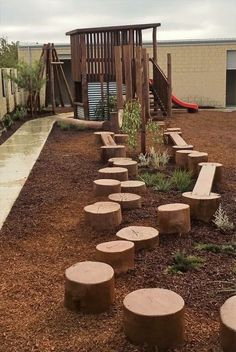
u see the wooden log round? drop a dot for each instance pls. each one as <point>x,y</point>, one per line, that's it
<point>97,136</point>
<point>103,215</point>
<point>126,200</point>
<point>174,218</point>
<point>181,158</point>
<point>103,187</point>
<point>155,317</point>
<point>202,207</point>
<point>114,173</point>
<point>218,173</point>
<point>112,151</point>
<point>143,237</point>
<point>130,165</point>
<point>137,187</point>
<point>228,325</point>
<point>121,138</point>
<point>112,160</point>
<point>89,287</point>
<point>118,254</point>
<point>194,159</point>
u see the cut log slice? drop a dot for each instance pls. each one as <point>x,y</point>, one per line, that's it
<point>194,159</point>
<point>181,158</point>
<point>89,287</point>
<point>202,207</point>
<point>126,200</point>
<point>118,254</point>
<point>103,215</point>
<point>97,136</point>
<point>228,325</point>
<point>154,316</point>
<point>174,218</point>
<point>130,165</point>
<point>104,187</point>
<point>144,237</point>
<point>112,160</point>
<point>137,187</point>
<point>173,129</point>
<point>218,173</point>
<point>112,151</point>
<point>114,173</point>
<point>121,138</point>
<point>181,147</point>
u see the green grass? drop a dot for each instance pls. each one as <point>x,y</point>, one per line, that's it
<point>182,180</point>
<point>182,263</point>
<point>163,184</point>
<point>150,179</point>
<point>229,248</point>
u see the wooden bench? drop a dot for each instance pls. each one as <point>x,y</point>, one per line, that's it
<point>107,139</point>
<point>203,203</point>
<point>110,149</point>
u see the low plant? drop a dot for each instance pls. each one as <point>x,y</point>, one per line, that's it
<point>229,248</point>
<point>144,159</point>
<point>150,179</point>
<point>182,263</point>
<point>19,113</point>
<point>132,122</point>
<point>7,121</point>
<point>221,220</point>
<point>158,159</point>
<point>68,127</point>
<point>155,132</point>
<point>182,180</point>
<point>109,103</point>
<point>163,184</point>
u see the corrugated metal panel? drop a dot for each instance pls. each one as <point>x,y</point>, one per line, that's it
<point>231,60</point>
<point>80,112</point>
<point>95,95</point>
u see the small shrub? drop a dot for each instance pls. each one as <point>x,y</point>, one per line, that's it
<point>222,221</point>
<point>7,121</point>
<point>229,248</point>
<point>182,180</point>
<point>150,179</point>
<point>158,159</point>
<point>163,184</point>
<point>19,113</point>
<point>155,132</point>
<point>132,122</point>
<point>143,159</point>
<point>182,263</point>
<point>102,107</point>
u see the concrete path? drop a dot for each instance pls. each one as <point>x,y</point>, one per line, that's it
<point>17,158</point>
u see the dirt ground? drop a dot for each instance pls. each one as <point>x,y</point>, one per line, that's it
<point>45,233</point>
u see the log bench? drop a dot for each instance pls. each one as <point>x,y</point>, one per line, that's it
<point>203,203</point>
<point>178,143</point>
<point>109,148</point>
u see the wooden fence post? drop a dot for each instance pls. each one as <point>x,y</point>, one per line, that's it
<point>128,71</point>
<point>169,88</point>
<point>84,81</point>
<point>118,68</point>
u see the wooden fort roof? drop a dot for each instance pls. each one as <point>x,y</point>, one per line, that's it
<point>114,28</point>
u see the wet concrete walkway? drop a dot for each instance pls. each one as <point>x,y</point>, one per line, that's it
<point>17,158</point>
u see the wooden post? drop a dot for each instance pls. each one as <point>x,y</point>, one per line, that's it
<point>138,73</point>
<point>51,79</point>
<point>145,99</point>
<point>84,77</point>
<point>154,39</point>
<point>128,71</point>
<point>169,79</point>
<point>118,67</point>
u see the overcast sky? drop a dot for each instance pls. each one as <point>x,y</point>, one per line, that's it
<point>48,20</point>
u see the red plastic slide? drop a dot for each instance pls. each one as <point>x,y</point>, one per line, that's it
<point>191,107</point>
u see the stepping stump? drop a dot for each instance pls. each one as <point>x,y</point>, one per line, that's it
<point>194,159</point>
<point>181,147</point>
<point>137,187</point>
<point>118,254</point>
<point>104,187</point>
<point>174,218</point>
<point>130,165</point>
<point>121,138</point>
<point>98,134</point>
<point>228,325</point>
<point>218,173</point>
<point>112,160</point>
<point>126,200</point>
<point>103,215</point>
<point>89,287</point>
<point>114,173</point>
<point>112,151</point>
<point>181,158</point>
<point>155,317</point>
<point>143,237</point>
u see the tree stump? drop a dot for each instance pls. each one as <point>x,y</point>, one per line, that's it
<point>194,159</point>
<point>143,237</point>
<point>130,165</point>
<point>228,325</point>
<point>89,287</point>
<point>114,173</point>
<point>97,136</point>
<point>118,254</point>
<point>218,174</point>
<point>174,218</point>
<point>155,317</point>
<point>112,160</point>
<point>137,187</point>
<point>181,158</point>
<point>103,187</point>
<point>112,151</point>
<point>126,200</point>
<point>103,215</point>
<point>121,138</point>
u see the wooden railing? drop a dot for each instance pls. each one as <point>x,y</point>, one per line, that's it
<point>162,86</point>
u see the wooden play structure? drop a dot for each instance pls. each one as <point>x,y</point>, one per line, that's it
<point>110,61</point>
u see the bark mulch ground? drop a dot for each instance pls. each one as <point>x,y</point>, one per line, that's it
<point>45,233</point>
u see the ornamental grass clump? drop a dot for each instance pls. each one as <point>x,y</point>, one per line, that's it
<point>221,220</point>
<point>150,179</point>
<point>182,180</point>
<point>182,263</point>
<point>229,248</point>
